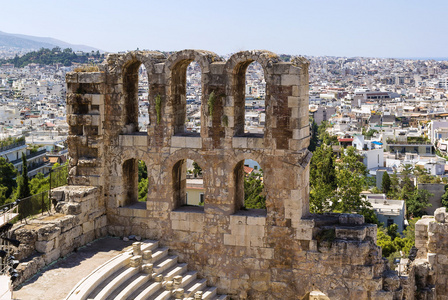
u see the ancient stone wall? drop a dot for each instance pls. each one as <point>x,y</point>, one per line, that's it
<point>282,252</point>
<point>431,265</point>
<point>80,219</point>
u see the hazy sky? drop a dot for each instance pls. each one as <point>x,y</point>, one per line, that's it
<point>381,28</point>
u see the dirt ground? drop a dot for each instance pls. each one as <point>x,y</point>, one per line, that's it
<point>58,279</point>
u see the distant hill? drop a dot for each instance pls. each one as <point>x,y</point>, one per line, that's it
<point>45,56</point>
<point>28,42</point>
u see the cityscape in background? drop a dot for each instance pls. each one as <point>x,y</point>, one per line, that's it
<point>393,111</point>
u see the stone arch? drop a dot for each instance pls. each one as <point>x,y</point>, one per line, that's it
<point>237,177</point>
<point>129,175</point>
<point>129,172</point>
<point>175,75</point>
<point>176,163</point>
<point>235,69</point>
<point>126,68</point>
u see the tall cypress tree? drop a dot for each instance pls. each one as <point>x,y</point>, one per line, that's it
<point>23,182</point>
<point>385,183</point>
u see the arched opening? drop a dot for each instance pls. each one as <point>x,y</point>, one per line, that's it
<point>131,97</point>
<point>143,101</point>
<point>255,92</point>
<point>142,181</point>
<point>135,182</point>
<point>316,295</point>
<point>188,184</point>
<point>186,96</point>
<point>249,99</point>
<point>249,186</point>
<point>193,96</point>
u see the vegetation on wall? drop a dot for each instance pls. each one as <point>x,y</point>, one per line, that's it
<point>211,104</point>
<point>158,101</point>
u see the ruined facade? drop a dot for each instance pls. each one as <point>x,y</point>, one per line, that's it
<point>282,252</point>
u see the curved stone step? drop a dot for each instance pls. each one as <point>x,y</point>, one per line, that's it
<point>188,277</point>
<point>164,295</point>
<point>147,292</point>
<point>115,283</point>
<point>116,279</point>
<point>159,254</point>
<point>164,264</point>
<point>83,289</point>
<point>129,287</point>
<point>177,269</point>
<point>209,293</point>
<point>196,285</point>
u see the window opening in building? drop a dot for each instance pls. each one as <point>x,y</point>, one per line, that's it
<point>254,106</point>
<point>142,181</point>
<point>193,96</point>
<point>143,99</point>
<point>135,182</point>
<point>133,88</point>
<point>188,184</point>
<point>249,185</point>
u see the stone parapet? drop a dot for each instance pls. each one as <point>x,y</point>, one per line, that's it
<point>80,219</point>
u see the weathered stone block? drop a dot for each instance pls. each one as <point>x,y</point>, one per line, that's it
<point>178,141</point>
<point>239,142</point>
<point>88,226</point>
<point>51,256</point>
<point>193,142</point>
<point>44,246</point>
<point>355,233</point>
<point>440,214</point>
<point>48,232</point>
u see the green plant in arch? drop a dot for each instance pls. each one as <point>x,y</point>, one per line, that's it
<point>211,104</point>
<point>158,108</point>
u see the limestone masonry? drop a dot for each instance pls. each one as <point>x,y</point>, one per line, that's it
<point>283,252</point>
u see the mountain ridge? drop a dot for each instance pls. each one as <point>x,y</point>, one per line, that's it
<point>29,42</point>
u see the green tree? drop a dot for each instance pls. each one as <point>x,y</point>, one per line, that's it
<point>314,141</point>
<point>39,184</point>
<point>351,179</point>
<point>322,179</point>
<point>197,171</point>
<point>7,175</point>
<point>394,192</point>
<point>392,243</point>
<point>417,202</point>
<point>253,191</point>
<point>23,187</point>
<point>444,199</point>
<point>385,183</point>
<point>3,197</point>
<point>407,186</point>
<point>385,242</point>
<point>142,170</point>
<point>143,190</point>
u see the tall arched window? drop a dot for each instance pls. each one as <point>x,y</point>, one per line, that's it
<point>186,89</point>
<point>193,98</point>
<point>249,93</point>
<point>255,92</point>
<point>135,182</point>
<point>143,103</point>
<point>188,184</point>
<point>135,88</point>
<point>249,186</point>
